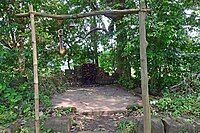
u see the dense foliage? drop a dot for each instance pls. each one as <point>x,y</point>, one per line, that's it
<point>173,51</point>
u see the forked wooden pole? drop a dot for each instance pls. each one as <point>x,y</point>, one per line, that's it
<point>144,74</point>
<point>35,70</point>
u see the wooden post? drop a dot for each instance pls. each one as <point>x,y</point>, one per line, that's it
<point>35,69</point>
<point>144,75</point>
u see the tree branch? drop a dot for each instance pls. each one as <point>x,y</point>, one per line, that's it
<point>95,29</point>
<point>5,44</point>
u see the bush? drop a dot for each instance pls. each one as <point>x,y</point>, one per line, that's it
<point>178,104</point>
<point>127,82</point>
<point>127,126</point>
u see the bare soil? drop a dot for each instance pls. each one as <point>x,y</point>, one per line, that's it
<point>99,99</point>
<point>98,108</point>
<point>101,123</point>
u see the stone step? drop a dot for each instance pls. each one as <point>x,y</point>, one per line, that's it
<point>164,125</point>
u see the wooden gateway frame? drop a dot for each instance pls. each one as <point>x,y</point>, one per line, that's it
<point>143,56</point>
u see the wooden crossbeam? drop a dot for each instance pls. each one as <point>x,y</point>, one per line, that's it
<point>108,13</point>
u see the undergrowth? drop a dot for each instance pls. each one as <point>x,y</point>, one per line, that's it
<point>178,104</point>
<point>17,101</point>
<point>127,127</point>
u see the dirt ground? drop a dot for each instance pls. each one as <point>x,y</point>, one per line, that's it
<point>98,99</point>
<point>101,123</point>
<point>99,108</point>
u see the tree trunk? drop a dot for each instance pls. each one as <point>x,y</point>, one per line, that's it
<point>122,62</point>
<point>21,58</point>
<point>94,41</point>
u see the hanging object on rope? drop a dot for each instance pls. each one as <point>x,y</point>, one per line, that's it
<point>62,48</point>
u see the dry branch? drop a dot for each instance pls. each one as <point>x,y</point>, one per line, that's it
<point>95,29</point>
<point>82,15</point>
